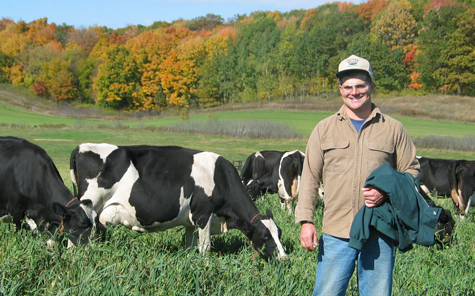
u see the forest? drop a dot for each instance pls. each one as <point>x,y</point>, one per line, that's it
<point>416,47</point>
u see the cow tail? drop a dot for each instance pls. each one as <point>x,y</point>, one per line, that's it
<point>455,192</point>
<point>300,164</point>
<point>72,170</point>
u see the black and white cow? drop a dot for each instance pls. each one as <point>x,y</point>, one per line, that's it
<point>154,188</point>
<point>284,179</point>
<point>454,178</point>
<point>29,186</point>
<point>289,174</point>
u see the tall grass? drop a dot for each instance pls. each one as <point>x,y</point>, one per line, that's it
<point>264,129</point>
<point>129,263</point>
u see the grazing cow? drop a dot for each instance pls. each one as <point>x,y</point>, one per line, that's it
<point>30,184</point>
<point>444,228</point>
<point>284,179</point>
<point>259,163</point>
<point>445,222</point>
<point>454,178</point>
<point>154,188</point>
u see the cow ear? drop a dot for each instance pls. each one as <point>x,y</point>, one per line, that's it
<point>59,209</point>
<point>269,214</point>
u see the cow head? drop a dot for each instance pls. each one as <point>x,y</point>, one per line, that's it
<point>264,235</point>
<point>463,185</point>
<point>253,188</point>
<point>78,220</point>
<point>444,228</point>
<point>44,219</point>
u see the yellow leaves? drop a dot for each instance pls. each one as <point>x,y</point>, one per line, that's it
<point>276,15</point>
<point>12,43</point>
<point>216,44</point>
<point>396,27</point>
<point>15,74</point>
<point>40,32</point>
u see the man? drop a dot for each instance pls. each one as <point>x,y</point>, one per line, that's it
<point>343,150</point>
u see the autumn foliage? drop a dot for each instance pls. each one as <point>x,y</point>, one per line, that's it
<point>414,46</point>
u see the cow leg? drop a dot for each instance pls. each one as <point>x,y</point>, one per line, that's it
<point>469,203</point>
<point>117,215</point>
<point>289,206</point>
<point>425,189</point>
<point>282,204</point>
<point>204,235</point>
<point>191,237</point>
<point>32,224</point>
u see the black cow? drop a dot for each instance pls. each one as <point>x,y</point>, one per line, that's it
<point>454,178</point>
<point>154,188</point>
<point>258,164</point>
<point>445,222</point>
<point>29,186</point>
<point>284,179</point>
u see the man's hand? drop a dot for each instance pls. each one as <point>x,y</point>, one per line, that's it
<point>373,197</point>
<point>308,236</point>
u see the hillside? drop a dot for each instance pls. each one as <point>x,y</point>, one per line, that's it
<point>440,107</point>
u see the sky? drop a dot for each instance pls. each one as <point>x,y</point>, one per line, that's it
<point>121,13</point>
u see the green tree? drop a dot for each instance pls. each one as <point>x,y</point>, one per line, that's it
<point>439,34</point>
<point>58,79</point>
<point>117,79</point>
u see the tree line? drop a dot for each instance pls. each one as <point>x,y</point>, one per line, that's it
<point>415,47</point>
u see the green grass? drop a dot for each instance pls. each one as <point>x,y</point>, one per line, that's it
<point>303,121</point>
<point>128,263</point>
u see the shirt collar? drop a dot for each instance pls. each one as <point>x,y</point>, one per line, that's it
<point>341,114</point>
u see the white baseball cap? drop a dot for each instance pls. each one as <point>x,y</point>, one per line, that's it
<point>355,63</point>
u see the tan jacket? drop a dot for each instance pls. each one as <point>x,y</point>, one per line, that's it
<point>343,159</point>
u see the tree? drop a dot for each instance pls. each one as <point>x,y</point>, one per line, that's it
<point>58,79</point>
<point>446,43</point>
<point>86,39</point>
<point>117,79</point>
<point>40,32</point>
<point>149,50</point>
<point>37,57</point>
<point>206,23</point>
<point>396,26</point>
<point>369,10</point>
<point>179,72</point>
<point>13,45</point>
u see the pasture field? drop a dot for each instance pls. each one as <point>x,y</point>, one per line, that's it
<point>129,263</point>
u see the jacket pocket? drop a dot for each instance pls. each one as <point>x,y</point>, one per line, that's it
<point>336,155</point>
<point>379,153</point>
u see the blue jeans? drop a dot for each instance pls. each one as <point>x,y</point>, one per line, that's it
<point>336,263</point>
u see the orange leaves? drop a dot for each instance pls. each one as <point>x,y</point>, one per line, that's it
<point>310,18</point>
<point>368,10</point>
<point>344,6</point>
<point>415,81</point>
<point>437,4</point>
<point>40,32</point>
